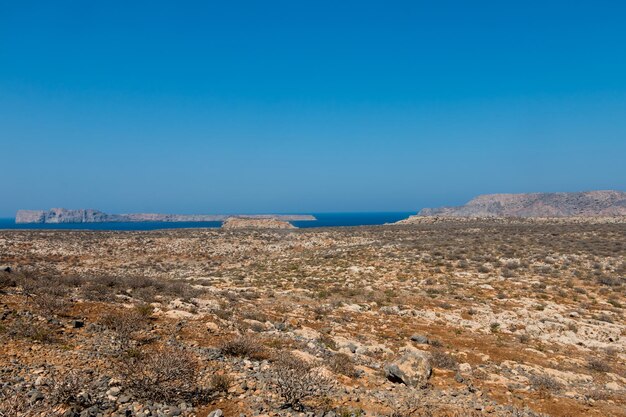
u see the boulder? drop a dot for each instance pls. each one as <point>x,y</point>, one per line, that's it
<point>417,338</point>
<point>212,327</point>
<point>413,368</point>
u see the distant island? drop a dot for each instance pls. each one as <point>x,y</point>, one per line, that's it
<point>61,215</point>
<point>248,223</point>
<point>577,204</point>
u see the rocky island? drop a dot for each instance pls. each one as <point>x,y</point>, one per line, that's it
<point>256,223</point>
<point>61,215</point>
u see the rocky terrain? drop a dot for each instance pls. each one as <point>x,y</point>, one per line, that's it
<point>453,317</point>
<point>61,215</point>
<point>583,204</point>
<point>251,223</point>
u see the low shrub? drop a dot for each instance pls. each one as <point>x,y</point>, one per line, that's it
<point>295,381</point>
<point>243,346</point>
<point>598,365</point>
<point>168,374</point>
<point>32,330</point>
<point>124,323</point>
<point>545,383</point>
<point>443,360</point>
<point>51,303</point>
<point>69,389</point>
<point>6,281</point>
<point>342,364</point>
<point>221,382</point>
<point>609,281</point>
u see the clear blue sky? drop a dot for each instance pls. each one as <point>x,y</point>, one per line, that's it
<point>307,106</point>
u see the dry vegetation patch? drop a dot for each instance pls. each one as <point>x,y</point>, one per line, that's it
<point>517,318</point>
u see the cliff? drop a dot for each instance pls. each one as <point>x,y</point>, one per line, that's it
<point>60,215</point>
<point>581,204</point>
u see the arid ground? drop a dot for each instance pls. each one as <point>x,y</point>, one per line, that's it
<point>456,318</point>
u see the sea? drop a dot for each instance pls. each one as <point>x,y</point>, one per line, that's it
<point>323,220</point>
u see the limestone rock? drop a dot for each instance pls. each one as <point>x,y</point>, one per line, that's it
<point>413,368</point>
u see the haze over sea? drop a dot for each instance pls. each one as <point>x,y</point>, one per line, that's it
<point>323,220</point>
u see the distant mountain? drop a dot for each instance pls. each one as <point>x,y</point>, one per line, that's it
<point>582,204</point>
<point>61,215</point>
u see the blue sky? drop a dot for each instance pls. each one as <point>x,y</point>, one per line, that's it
<point>307,106</point>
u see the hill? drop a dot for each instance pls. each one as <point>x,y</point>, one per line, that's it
<point>579,204</point>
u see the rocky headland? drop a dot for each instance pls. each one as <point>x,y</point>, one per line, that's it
<point>543,205</point>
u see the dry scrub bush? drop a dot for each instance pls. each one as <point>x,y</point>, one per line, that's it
<point>545,383</point>
<point>221,382</point>
<point>342,364</point>
<point>104,288</point>
<point>598,365</point>
<point>443,360</point>
<point>169,375</point>
<point>124,323</point>
<point>6,281</point>
<point>31,330</point>
<point>60,392</point>
<point>145,310</point>
<point>609,281</point>
<point>51,303</point>
<point>94,291</point>
<point>243,346</point>
<point>598,395</point>
<point>295,381</point>
<point>71,389</point>
<point>16,404</point>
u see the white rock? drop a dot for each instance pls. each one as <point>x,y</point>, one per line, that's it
<point>613,386</point>
<point>465,367</point>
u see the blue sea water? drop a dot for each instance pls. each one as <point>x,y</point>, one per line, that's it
<point>323,220</point>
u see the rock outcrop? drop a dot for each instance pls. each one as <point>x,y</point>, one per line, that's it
<point>255,223</point>
<point>413,368</point>
<point>61,215</point>
<point>581,204</point>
